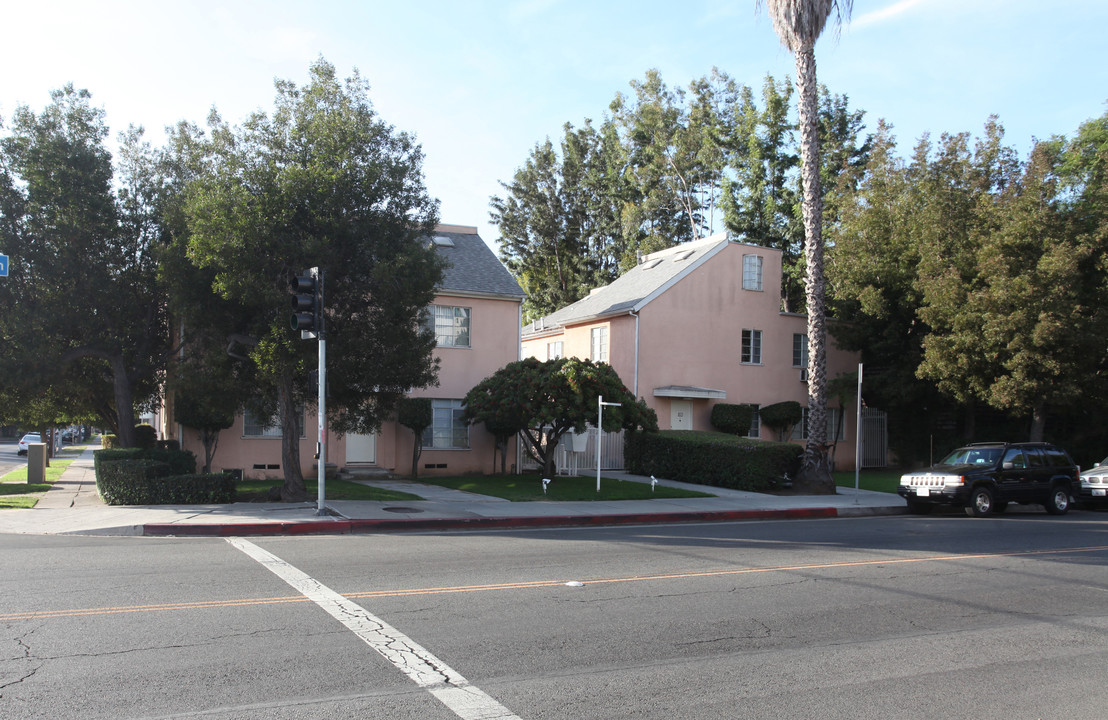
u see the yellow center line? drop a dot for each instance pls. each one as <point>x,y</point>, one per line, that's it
<point>205,604</point>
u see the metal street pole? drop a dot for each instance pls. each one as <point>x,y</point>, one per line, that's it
<point>321,443</point>
<point>858,433</point>
<point>600,429</point>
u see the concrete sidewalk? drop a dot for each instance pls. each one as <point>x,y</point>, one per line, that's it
<point>72,506</point>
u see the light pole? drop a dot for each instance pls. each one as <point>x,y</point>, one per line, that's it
<point>600,429</point>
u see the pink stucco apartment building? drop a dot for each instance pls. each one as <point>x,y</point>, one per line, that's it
<point>695,325</point>
<point>476,316</point>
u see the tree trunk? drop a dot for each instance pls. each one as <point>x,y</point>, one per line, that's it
<point>293,490</point>
<point>417,450</point>
<point>124,403</point>
<point>816,470</point>
<point>1038,422</point>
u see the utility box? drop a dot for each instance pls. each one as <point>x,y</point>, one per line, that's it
<point>36,463</point>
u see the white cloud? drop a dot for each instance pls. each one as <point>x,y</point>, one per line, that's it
<point>876,17</point>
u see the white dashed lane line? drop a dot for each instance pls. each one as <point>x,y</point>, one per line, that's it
<point>452,690</point>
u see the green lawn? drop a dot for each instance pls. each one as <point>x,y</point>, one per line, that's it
<point>883,480</point>
<point>257,490</point>
<point>528,488</point>
<point>15,482</point>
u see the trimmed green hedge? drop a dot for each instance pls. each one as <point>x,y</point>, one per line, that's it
<point>732,419</point>
<point>148,482</point>
<point>711,459</point>
<point>180,462</point>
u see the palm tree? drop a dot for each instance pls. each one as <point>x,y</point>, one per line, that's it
<point>799,24</point>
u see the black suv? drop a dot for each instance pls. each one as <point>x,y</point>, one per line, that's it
<point>984,477</point>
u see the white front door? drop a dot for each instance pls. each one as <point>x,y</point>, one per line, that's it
<point>680,414</point>
<point>361,449</point>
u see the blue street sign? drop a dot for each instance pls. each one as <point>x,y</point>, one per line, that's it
<point>3,265</point>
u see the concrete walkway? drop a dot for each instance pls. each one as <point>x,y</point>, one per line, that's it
<point>72,506</point>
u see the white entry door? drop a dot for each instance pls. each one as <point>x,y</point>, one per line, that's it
<point>361,449</point>
<point>680,414</point>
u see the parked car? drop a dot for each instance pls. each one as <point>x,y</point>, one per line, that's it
<point>1094,485</point>
<point>984,478</point>
<point>26,440</point>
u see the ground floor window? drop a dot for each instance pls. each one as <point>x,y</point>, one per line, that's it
<point>257,426</point>
<point>447,431</point>
<point>836,425</point>
<point>755,423</point>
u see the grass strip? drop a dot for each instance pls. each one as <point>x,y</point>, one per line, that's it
<point>529,488</point>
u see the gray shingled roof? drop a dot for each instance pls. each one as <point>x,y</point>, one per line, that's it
<point>637,286</point>
<point>473,268</point>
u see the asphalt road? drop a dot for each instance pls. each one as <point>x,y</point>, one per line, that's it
<point>940,616</point>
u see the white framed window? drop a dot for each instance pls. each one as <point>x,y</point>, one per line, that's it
<point>599,345</point>
<point>554,350</point>
<point>755,423</point>
<point>835,430</point>
<point>450,325</point>
<point>255,426</point>
<point>447,431</point>
<point>800,350</point>
<point>752,347</point>
<point>752,272</point>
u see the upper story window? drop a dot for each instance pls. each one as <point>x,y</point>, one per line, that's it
<point>800,350</point>
<point>554,350</point>
<point>752,272</point>
<point>599,345</point>
<point>450,325</point>
<point>752,347</point>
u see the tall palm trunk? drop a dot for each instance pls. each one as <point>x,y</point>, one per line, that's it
<point>799,24</point>
<point>815,454</point>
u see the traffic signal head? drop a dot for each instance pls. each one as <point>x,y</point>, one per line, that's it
<point>307,303</point>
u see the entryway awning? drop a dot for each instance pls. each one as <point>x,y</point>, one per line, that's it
<point>690,392</point>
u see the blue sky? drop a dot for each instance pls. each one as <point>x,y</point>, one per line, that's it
<point>481,82</point>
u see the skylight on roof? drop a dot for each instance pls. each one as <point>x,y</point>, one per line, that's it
<point>685,255</point>
<point>442,241</point>
<point>651,263</point>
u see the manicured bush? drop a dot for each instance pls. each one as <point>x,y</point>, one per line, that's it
<point>145,436</point>
<point>711,459</point>
<point>782,416</point>
<point>168,445</point>
<point>147,482</point>
<point>109,441</point>
<point>180,462</point>
<point>732,419</point>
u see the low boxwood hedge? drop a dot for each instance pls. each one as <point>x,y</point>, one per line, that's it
<point>709,458</point>
<point>180,462</point>
<point>149,482</point>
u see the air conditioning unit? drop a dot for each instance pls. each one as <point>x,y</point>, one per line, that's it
<point>803,375</point>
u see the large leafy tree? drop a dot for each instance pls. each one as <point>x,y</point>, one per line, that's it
<point>82,304</point>
<point>560,218</point>
<point>799,23</point>
<point>544,400</point>
<point>322,181</point>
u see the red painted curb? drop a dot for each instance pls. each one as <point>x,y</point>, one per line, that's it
<point>342,527</point>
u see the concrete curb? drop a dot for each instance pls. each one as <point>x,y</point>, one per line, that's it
<point>338,526</point>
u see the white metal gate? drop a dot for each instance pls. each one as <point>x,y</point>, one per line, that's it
<point>566,461</point>
<point>875,438</point>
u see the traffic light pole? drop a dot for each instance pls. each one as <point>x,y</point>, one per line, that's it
<point>308,318</point>
<point>321,443</point>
